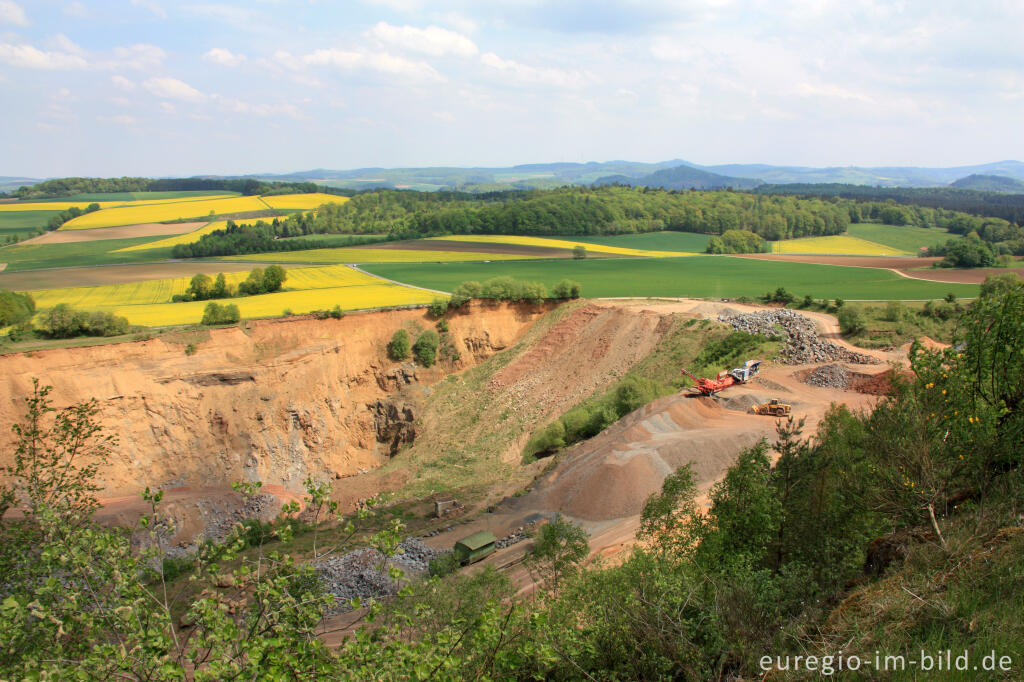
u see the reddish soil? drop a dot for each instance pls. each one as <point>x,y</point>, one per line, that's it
<point>474,247</point>
<point>114,274</point>
<point>972,276</point>
<point>122,232</point>
<point>877,384</point>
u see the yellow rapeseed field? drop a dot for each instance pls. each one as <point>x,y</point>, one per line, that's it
<point>187,238</point>
<point>270,305</point>
<point>157,213</point>
<point>148,303</point>
<point>305,201</point>
<point>361,255</point>
<point>842,245</point>
<point>560,244</point>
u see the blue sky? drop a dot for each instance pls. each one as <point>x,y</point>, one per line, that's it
<point>155,87</point>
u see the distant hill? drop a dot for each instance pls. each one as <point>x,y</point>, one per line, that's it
<point>989,183</point>
<point>682,177</point>
<point>881,176</point>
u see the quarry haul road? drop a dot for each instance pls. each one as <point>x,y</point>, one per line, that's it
<point>603,483</point>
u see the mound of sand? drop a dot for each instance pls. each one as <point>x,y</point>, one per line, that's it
<point>613,474</point>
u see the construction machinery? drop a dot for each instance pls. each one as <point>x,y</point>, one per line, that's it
<point>772,408</point>
<point>725,379</point>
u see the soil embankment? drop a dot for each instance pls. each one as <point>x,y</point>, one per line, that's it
<point>276,401</point>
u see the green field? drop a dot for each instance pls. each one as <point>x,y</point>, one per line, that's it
<point>903,237</point>
<point>652,241</point>
<point>336,240</point>
<point>34,256</point>
<point>693,276</point>
<point>23,222</point>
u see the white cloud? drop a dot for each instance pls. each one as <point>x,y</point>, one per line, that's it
<point>122,83</point>
<point>76,9</point>
<point>262,109</point>
<point>152,6</point>
<point>172,88</point>
<point>352,60</point>
<point>445,116</point>
<point>64,44</point>
<point>524,73</point>
<point>432,40</point>
<point>223,57</point>
<point>141,56</point>
<point>26,56</point>
<point>830,90</point>
<point>12,13</point>
<point>121,119</point>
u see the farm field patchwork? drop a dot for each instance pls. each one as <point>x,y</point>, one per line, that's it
<point>698,276</point>
<point>355,254</point>
<point>94,276</point>
<point>64,204</point>
<point>835,244</point>
<point>148,196</point>
<point>560,244</point>
<point>162,212</point>
<point>122,232</point>
<point>690,242</point>
<point>905,237</point>
<point>34,256</point>
<point>23,222</point>
<point>186,238</point>
<point>149,302</point>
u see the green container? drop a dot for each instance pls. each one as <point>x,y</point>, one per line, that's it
<point>475,547</point>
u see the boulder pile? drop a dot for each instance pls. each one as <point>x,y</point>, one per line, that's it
<point>802,345</point>
<point>829,376</point>
<point>362,573</point>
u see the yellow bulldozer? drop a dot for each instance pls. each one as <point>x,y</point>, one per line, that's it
<point>772,408</point>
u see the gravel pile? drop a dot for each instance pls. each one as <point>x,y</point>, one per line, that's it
<point>359,574</point>
<point>518,535</point>
<point>829,376</point>
<point>802,343</point>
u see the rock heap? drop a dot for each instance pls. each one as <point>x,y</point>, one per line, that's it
<point>362,573</point>
<point>829,376</point>
<point>802,344</point>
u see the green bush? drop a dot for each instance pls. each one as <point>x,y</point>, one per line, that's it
<point>15,307</point>
<point>425,348</point>
<point>64,322</point>
<point>398,349</point>
<point>894,311</point>
<point>579,252</point>
<point>547,440</point>
<point>438,307</point>
<point>337,313</point>
<point>850,321</point>
<point>443,564</point>
<point>442,326</point>
<point>567,289</point>
<point>215,313</point>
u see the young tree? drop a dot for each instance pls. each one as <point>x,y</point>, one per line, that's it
<point>425,348</point>
<point>200,288</point>
<point>579,252</point>
<point>273,277</point>
<point>398,349</point>
<point>558,549</point>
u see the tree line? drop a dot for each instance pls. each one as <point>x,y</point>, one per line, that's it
<point>259,281</point>
<point>63,187</point>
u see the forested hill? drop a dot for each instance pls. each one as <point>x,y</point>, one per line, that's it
<point>580,211</point>
<point>64,187</point>
<point>980,203</point>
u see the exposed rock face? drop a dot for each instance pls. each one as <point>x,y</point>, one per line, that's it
<point>276,401</point>
<point>394,424</point>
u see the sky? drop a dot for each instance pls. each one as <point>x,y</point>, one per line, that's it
<point>161,88</point>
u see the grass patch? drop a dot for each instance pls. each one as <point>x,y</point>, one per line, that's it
<point>104,252</point>
<point>24,223</point>
<point>903,237</point>
<point>695,276</point>
<point>895,323</point>
<point>361,255</point>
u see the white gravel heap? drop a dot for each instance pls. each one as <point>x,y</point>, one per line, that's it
<point>802,345</point>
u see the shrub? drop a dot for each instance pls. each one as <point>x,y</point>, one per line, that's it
<point>398,349</point>
<point>547,440</point>
<point>287,312</point>
<point>438,307</point>
<point>850,321</point>
<point>780,295</point>
<point>425,348</point>
<point>190,349</point>
<point>567,289</point>
<point>215,313</point>
<point>443,564</point>
<point>442,326</point>
<point>15,307</point>
<point>579,252</point>
<point>808,302</point>
<point>337,313</point>
<point>64,322</point>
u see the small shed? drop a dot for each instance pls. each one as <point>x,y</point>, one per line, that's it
<point>475,547</point>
